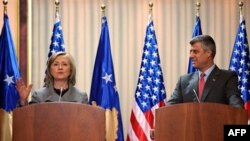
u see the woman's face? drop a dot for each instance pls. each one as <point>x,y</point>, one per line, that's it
<point>60,68</point>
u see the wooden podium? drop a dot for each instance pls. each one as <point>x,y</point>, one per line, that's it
<point>62,121</point>
<point>196,121</point>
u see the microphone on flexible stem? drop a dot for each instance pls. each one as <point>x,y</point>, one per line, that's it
<point>196,95</point>
<point>60,94</point>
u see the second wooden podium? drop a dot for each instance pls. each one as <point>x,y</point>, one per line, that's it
<point>196,121</point>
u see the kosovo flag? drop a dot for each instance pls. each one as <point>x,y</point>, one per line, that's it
<point>197,31</point>
<point>9,71</point>
<point>103,88</point>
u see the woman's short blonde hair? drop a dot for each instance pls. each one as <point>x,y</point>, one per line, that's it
<point>72,77</point>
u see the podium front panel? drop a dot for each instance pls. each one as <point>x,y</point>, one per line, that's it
<point>62,121</point>
<point>196,121</point>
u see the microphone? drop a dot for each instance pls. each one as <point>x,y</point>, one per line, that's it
<point>60,94</point>
<point>196,95</point>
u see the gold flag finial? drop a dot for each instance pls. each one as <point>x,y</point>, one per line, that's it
<point>198,5</point>
<point>103,7</point>
<point>241,6</point>
<point>57,3</point>
<point>150,7</point>
<point>5,3</point>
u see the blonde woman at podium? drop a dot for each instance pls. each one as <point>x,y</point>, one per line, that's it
<point>208,83</point>
<point>59,83</point>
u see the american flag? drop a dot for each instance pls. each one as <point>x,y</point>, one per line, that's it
<point>150,92</point>
<point>240,62</point>
<point>57,42</point>
<point>9,71</point>
<point>197,31</point>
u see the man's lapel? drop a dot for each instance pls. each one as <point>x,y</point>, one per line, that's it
<point>212,78</point>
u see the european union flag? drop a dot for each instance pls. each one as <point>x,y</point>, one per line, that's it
<point>197,31</point>
<point>9,71</point>
<point>240,62</point>
<point>103,87</point>
<point>57,42</point>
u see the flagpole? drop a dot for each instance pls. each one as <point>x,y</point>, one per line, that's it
<point>5,3</point>
<point>198,4</point>
<point>241,7</point>
<point>150,7</point>
<point>103,7</point>
<point>57,3</point>
<point>150,4</point>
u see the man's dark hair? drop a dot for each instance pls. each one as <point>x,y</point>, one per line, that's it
<point>206,41</point>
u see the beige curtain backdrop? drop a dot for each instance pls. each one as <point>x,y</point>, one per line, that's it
<point>127,20</point>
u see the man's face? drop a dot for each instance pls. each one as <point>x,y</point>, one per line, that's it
<point>200,57</point>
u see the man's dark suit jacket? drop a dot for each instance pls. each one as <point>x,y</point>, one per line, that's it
<point>221,87</point>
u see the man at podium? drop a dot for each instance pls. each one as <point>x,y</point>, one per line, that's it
<point>209,83</point>
<point>59,83</point>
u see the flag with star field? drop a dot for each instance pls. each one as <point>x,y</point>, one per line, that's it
<point>9,71</point>
<point>150,91</point>
<point>240,63</point>
<point>57,42</point>
<point>197,31</point>
<point>103,87</point>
